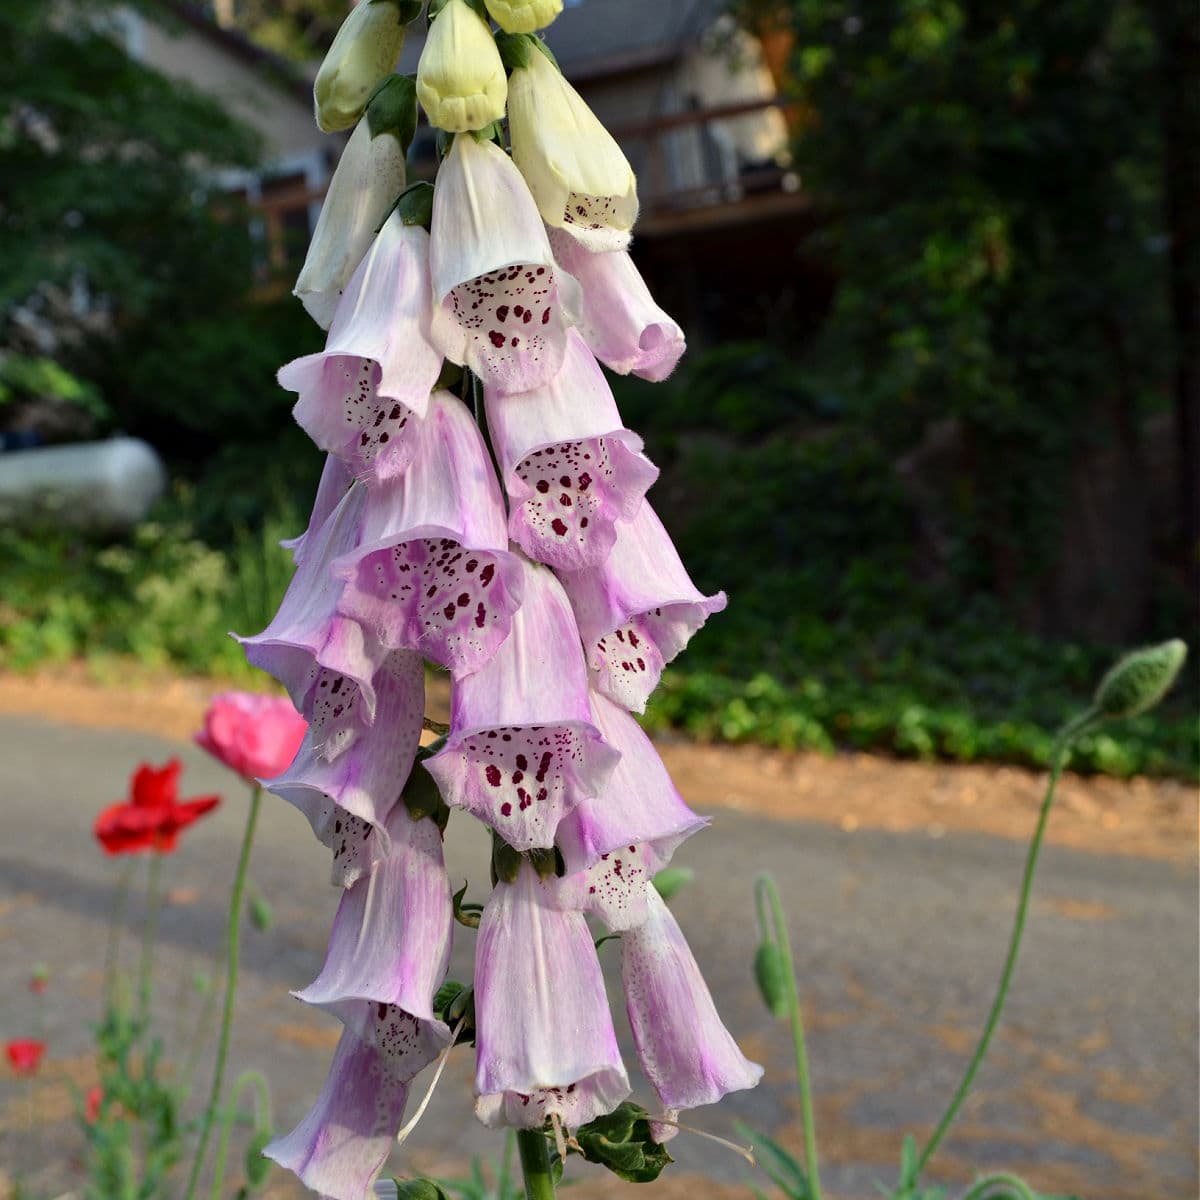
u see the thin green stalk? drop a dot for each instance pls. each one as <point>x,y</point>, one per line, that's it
<point>262,1109</point>
<point>233,947</point>
<point>116,924</point>
<point>149,934</point>
<point>535,1164</point>
<point>1058,758</point>
<point>767,884</point>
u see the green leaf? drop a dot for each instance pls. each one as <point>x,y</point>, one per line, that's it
<point>623,1142</point>
<point>783,1167</point>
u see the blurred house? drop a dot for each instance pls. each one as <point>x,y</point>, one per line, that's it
<point>269,94</point>
<point>692,99</point>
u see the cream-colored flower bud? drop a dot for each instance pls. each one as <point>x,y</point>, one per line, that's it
<point>581,180</point>
<point>460,78</point>
<point>363,55</point>
<point>523,16</point>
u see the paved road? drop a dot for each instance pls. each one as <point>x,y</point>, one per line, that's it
<point>1092,1085</point>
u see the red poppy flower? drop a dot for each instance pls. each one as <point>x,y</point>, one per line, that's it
<point>24,1054</point>
<point>152,818</point>
<point>91,1104</point>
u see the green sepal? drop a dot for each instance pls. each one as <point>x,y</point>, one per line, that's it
<point>418,1189</point>
<point>455,1002</point>
<point>393,109</point>
<point>506,862</point>
<point>540,43</point>
<point>1137,682</point>
<point>547,863</point>
<point>256,1167</point>
<point>260,913</point>
<point>421,795</point>
<point>623,1142</point>
<point>670,881</point>
<point>490,133</point>
<point>415,204</point>
<point>466,914</point>
<point>514,49</point>
<point>770,972</point>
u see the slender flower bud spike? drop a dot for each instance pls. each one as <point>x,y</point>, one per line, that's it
<point>498,299</point>
<point>571,469</point>
<point>685,1051</point>
<point>544,1035</point>
<point>523,16</point>
<point>637,610</point>
<point>349,799</point>
<point>432,571</point>
<point>523,750</point>
<point>460,78</point>
<point>362,56</point>
<point>358,395</point>
<point>307,634</point>
<point>369,177</point>
<point>581,180</point>
<point>618,317</point>
<point>391,937</point>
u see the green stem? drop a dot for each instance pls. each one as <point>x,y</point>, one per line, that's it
<point>149,934</point>
<point>1015,1189</point>
<point>262,1111</point>
<point>767,885</point>
<point>233,946</point>
<point>116,924</point>
<point>535,1164</point>
<point>1058,758</point>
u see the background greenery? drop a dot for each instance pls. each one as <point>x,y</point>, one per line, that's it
<point>995,206</point>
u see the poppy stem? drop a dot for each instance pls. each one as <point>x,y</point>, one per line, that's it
<point>233,948</point>
<point>149,935</point>
<point>116,926</point>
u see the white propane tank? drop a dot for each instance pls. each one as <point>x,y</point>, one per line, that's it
<point>103,487</point>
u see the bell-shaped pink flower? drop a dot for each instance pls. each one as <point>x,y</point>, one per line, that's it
<point>684,1050</point>
<point>523,750</point>
<point>256,736</point>
<point>344,1141</point>
<point>637,610</point>
<point>544,1035</point>
<point>639,803</point>
<point>360,395</point>
<point>307,633</point>
<point>391,937</point>
<point>498,296</point>
<point>618,318</point>
<point>335,482</point>
<point>431,570</point>
<point>348,799</point>
<point>571,469</point>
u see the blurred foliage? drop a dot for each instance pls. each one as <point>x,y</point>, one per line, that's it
<point>835,636</point>
<point>300,30</point>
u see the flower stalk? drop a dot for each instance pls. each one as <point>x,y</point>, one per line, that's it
<point>534,1152</point>
<point>232,954</point>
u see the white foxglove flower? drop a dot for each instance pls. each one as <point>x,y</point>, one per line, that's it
<point>578,175</point>
<point>369,177</point>
<point>362,56</point>
<point>460,78</point>
<point>523,16</point>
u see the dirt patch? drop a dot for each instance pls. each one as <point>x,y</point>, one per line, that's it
<point>1143,817</point>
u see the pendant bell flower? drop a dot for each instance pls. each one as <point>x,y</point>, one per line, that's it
<point>363,55</point>
<point>523,16</point>
<point>460,77</point>
<point>578,175</point>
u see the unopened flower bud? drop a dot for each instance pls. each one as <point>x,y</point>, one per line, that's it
<point>523,16</point>
<point>578,175</point>
<point>771,976</point>
<point>1137,682</point>
<point>460,77</point>
<point>362,56</point>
